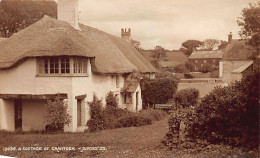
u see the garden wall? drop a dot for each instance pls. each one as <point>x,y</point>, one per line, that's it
<point>203,87</point>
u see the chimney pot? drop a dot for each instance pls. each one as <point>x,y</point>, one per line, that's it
<point>230,37</point>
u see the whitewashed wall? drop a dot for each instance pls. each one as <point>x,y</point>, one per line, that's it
<point>22,80</point>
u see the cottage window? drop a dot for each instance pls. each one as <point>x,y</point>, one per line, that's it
<point>63,66</point>
<point>117,81</point>
<point>196,61</point>
<point>80,65</point>
<point>205,61</point>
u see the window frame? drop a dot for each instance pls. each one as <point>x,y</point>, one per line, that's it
<point>41,67</point>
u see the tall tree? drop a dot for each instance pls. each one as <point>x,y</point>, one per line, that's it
<point>158,52</point>
<point>250,24</point>
<point>210,44</point>
<point>191,45</point>
<point>16,14</point>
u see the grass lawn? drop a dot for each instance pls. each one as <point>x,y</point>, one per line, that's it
<point>129,142</point>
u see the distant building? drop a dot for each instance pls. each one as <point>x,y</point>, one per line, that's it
<point>199,58</point>
<point>236,61</point>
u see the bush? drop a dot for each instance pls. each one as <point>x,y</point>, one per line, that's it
<point>133,120</point>
<point>96,122</point>
<point>112,117</point>
<point>186,97</point>
<point>207,68</point>
<point>230,114</point>
<point>111,100</point>
<point>188,76</point>
<point>158,91</point>
<point>57,115</point>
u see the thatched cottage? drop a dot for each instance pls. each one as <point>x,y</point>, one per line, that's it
<point>236,62</point>
<point>61,57</point>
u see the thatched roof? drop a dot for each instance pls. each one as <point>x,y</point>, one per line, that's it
<point>51,37</point>
<point>237,50</point>
<point>130,86</point>
<point>205,54</point>
<point>243,68</point>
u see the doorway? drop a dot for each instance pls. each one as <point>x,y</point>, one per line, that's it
<point>78,112</point>
<point>136,101</point>
<point>18,115</point>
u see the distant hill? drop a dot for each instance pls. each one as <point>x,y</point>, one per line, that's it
<point>172,58</point>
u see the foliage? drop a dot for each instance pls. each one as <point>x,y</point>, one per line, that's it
<point>57,115</point>
<point>209,44</point>
<point>222,45</point>
<point>112,117</point>
<point>111,100</point>
<point>155,63</point>
<point>16,14</point>
<point>190,45</point>
<point>96,121</point>
<point>181,68</point>
<point>133,121</point>
<point>249,23</point>
<point>206,68</point>
<point>186,97</point>
<point>230,114</point>
<point>188,76</point>
<point>158,52</point>
<point>158,91</point>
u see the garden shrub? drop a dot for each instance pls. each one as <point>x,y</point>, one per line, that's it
<point>227,114</point>
<point>207,68</point>
<point>133,120</point>
<point>230,113</point>
<point>188,76</point>
<point>186,97</point>
<point>181,68</point>
<point>112,117</point>
<point>96,121</point>
<point>158,91</point>
<point>57,115</point>
<point>111,100</point>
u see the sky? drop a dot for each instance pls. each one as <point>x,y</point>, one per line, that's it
<point>167,23</point>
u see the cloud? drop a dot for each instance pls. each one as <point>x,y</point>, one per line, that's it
<point>164,22</point>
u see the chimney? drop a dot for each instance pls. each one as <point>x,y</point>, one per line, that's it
<point>68,11</point>
<point>230,37</point>
<point>126,34</point>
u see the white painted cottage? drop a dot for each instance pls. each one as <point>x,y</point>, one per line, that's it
<point>61,57</point>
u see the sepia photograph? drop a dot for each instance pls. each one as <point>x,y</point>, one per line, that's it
<point>129,79</point>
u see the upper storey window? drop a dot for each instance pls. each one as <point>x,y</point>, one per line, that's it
<point>63,66</point>
<point>80,65</point>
